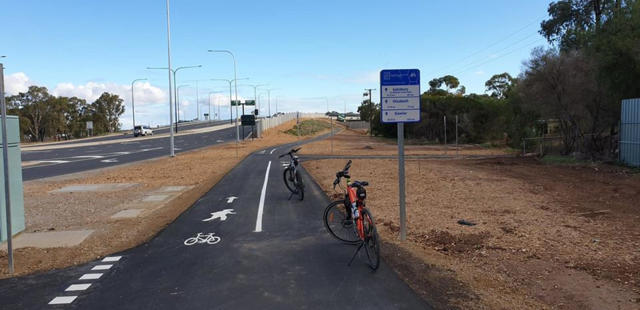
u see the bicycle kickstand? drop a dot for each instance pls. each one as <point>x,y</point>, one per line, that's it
<point>356,253</point>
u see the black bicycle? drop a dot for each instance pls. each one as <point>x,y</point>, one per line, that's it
<point>292,177</point>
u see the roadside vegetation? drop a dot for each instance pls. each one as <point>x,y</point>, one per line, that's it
<point>572,90</point>
<point>308,127</point>
<point>44,116</point>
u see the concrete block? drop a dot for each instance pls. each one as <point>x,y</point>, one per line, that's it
<point>49,239</point>
<point>108,187</point>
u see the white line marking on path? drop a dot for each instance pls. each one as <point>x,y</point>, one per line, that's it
<point>153,149</point>
<point>230,199</point>
<point>111,259</point>
<point>111,160</point>
<point>272,151</point>
<point>91,276</point>
<point>89,156</point>
<point>77,287</point>
<point>262,196</point>
<point>63,300</point>
<point>101,267</point>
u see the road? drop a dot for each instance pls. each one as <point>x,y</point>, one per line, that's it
<point>58,161</point>
<point>274,253</point>
<point>156,131</point>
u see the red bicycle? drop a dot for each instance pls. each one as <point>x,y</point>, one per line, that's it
<point>349,220</point>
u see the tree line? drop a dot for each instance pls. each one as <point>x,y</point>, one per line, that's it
<point>575,86</point>
<point>44,116</point>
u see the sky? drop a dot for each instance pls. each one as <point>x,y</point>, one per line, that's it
<point>312,54</point>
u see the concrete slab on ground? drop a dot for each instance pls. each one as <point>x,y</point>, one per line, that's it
<point>129,213</point>
<point>173,188</point>
<point>49,239</point>
<point>155,198</point>
<point>107,187</point>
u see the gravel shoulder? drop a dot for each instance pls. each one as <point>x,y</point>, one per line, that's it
<point>546,236</point>
<point>197,171</point>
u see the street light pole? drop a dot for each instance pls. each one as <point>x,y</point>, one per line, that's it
<point>174,80</point>
<point>171,145</point>
<point>133,106</point>
<point>235,79</point>
<point>230,105</point>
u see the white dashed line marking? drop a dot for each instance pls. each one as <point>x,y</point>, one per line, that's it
<point>111,259</point>
<point>63,300</point>
<point>272,151</point>
<point>262,196</point>
<point>89,156</point>
<point>77,287</point>
<point>91,276</point>
<point>102,267</point>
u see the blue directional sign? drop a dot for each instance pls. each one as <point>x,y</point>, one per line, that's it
<point>400,96</point>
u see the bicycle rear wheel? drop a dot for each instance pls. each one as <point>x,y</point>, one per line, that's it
<point>288,179</point>
<point>371,240</point>
<point>299,185</point>
<point>339,224</point>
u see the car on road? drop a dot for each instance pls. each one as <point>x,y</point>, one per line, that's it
<point>142,131</point>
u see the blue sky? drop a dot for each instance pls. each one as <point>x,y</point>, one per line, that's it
<point>305,50</point>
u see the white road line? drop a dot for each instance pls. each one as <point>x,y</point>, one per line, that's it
<point>91,276</point>
<point>77,287</point>
<point>262,196</point>
<point>89,156</point>
<point>272,151</point>
<point>63,300</point>
<point>101,267</point>
<point>111,259</point>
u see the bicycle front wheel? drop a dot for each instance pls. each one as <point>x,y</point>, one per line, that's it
<point>337,220</point>
<point>288,179</point>
<point>371,239</point>
<point>299,185</point>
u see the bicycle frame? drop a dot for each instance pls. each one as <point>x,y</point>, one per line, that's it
<point>349,198</point>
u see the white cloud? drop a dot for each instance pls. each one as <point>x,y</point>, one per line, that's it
<point>145,93</point>
<point>16,83</point>
<point>479,72</point>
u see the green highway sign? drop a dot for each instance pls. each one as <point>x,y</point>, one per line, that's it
<point>235,103</point>
<point>249,102</point>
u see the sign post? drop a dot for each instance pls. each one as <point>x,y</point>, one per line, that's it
<point>400,103</point>
<point>5,163</point>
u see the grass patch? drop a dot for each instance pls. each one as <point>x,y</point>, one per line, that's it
<point>308,127</point>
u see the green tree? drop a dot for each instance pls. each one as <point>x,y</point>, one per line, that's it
<point>106,112</point>
<point>33,107</point>
<point>499,85</point>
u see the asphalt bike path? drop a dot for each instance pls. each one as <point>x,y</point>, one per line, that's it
<point>282,260</point>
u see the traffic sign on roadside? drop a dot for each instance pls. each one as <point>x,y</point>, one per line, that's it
<point>235,103</point>
<point>400,103</point>
<point>400,96</point>
<point>249,102</point>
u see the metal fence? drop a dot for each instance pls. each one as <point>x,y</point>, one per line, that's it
<point>270,122</point>
<point>630,132</point>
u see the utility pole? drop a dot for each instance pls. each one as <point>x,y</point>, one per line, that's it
<point>370,110</point>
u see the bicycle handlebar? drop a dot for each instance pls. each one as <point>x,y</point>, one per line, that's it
<point>342,174</point>
<point>290,152</point>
